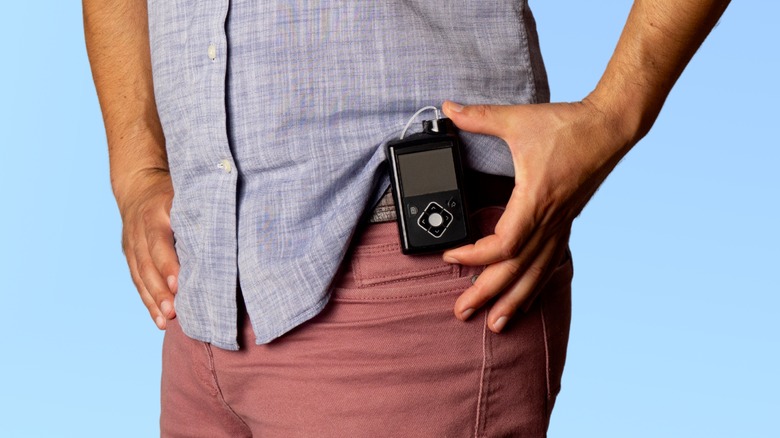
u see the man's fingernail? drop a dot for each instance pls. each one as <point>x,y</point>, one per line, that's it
<point>160,321</point>
<point>171,282</point>
<point>166,308</point>
<point>456,107</point>
<point>449,259</point>
<point>500,323</point>
<point>467,313</point>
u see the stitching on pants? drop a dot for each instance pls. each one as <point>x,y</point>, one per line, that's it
<point>403,276</point>
<point>363,280</point>
<point>378,249</point>
<point>546,359</point>
<point>429,294</point>
<point>482,396</point>
<point>213,370</point>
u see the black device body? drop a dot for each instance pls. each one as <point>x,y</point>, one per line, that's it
<point>428,188</point>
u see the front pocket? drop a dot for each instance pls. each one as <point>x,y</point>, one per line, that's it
<point>416,288</point>
<point>384,264</point>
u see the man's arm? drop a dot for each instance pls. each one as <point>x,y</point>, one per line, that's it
<point>117,40</point>
<point>563,152</point>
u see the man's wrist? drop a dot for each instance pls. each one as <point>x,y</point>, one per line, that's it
<point>129,186</point>
<point>137,159</point>
<point>628,111</point>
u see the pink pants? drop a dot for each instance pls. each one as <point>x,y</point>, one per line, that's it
<point>386,358</point>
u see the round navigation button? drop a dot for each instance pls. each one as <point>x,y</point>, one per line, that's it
<point>435,219</point>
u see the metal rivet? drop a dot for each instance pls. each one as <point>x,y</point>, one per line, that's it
<point>474,278</point>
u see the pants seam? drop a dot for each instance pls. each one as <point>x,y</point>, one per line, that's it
<point>546,360</point>
<point>221,396</point>
<point>479,425</point>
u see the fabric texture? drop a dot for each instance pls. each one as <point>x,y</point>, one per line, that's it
<point>275,114</point>
<point>386,358</point>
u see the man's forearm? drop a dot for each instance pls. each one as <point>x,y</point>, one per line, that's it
<point>659,39</point>
<point>118,46</point>
<point>117,35</point>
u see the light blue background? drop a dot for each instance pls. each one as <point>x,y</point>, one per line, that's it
<point>675,332</point>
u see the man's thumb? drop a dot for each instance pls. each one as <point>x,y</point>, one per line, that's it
<point>479,119</point>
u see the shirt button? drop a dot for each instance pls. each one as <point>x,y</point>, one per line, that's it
<point>225,166</point>
<point>212,52</point>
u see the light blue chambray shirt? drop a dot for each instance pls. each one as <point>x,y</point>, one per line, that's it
<point>275,114</point>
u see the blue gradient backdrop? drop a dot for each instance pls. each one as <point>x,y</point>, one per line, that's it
<point>675,332</point>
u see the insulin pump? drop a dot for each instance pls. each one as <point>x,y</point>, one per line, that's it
<point>427,178</point>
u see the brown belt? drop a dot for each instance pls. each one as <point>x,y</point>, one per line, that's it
<point>482,190</point>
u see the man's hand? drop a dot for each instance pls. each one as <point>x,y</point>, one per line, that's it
<point>147,241</point>
<point>558,156</point>
<point>563,152</point>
